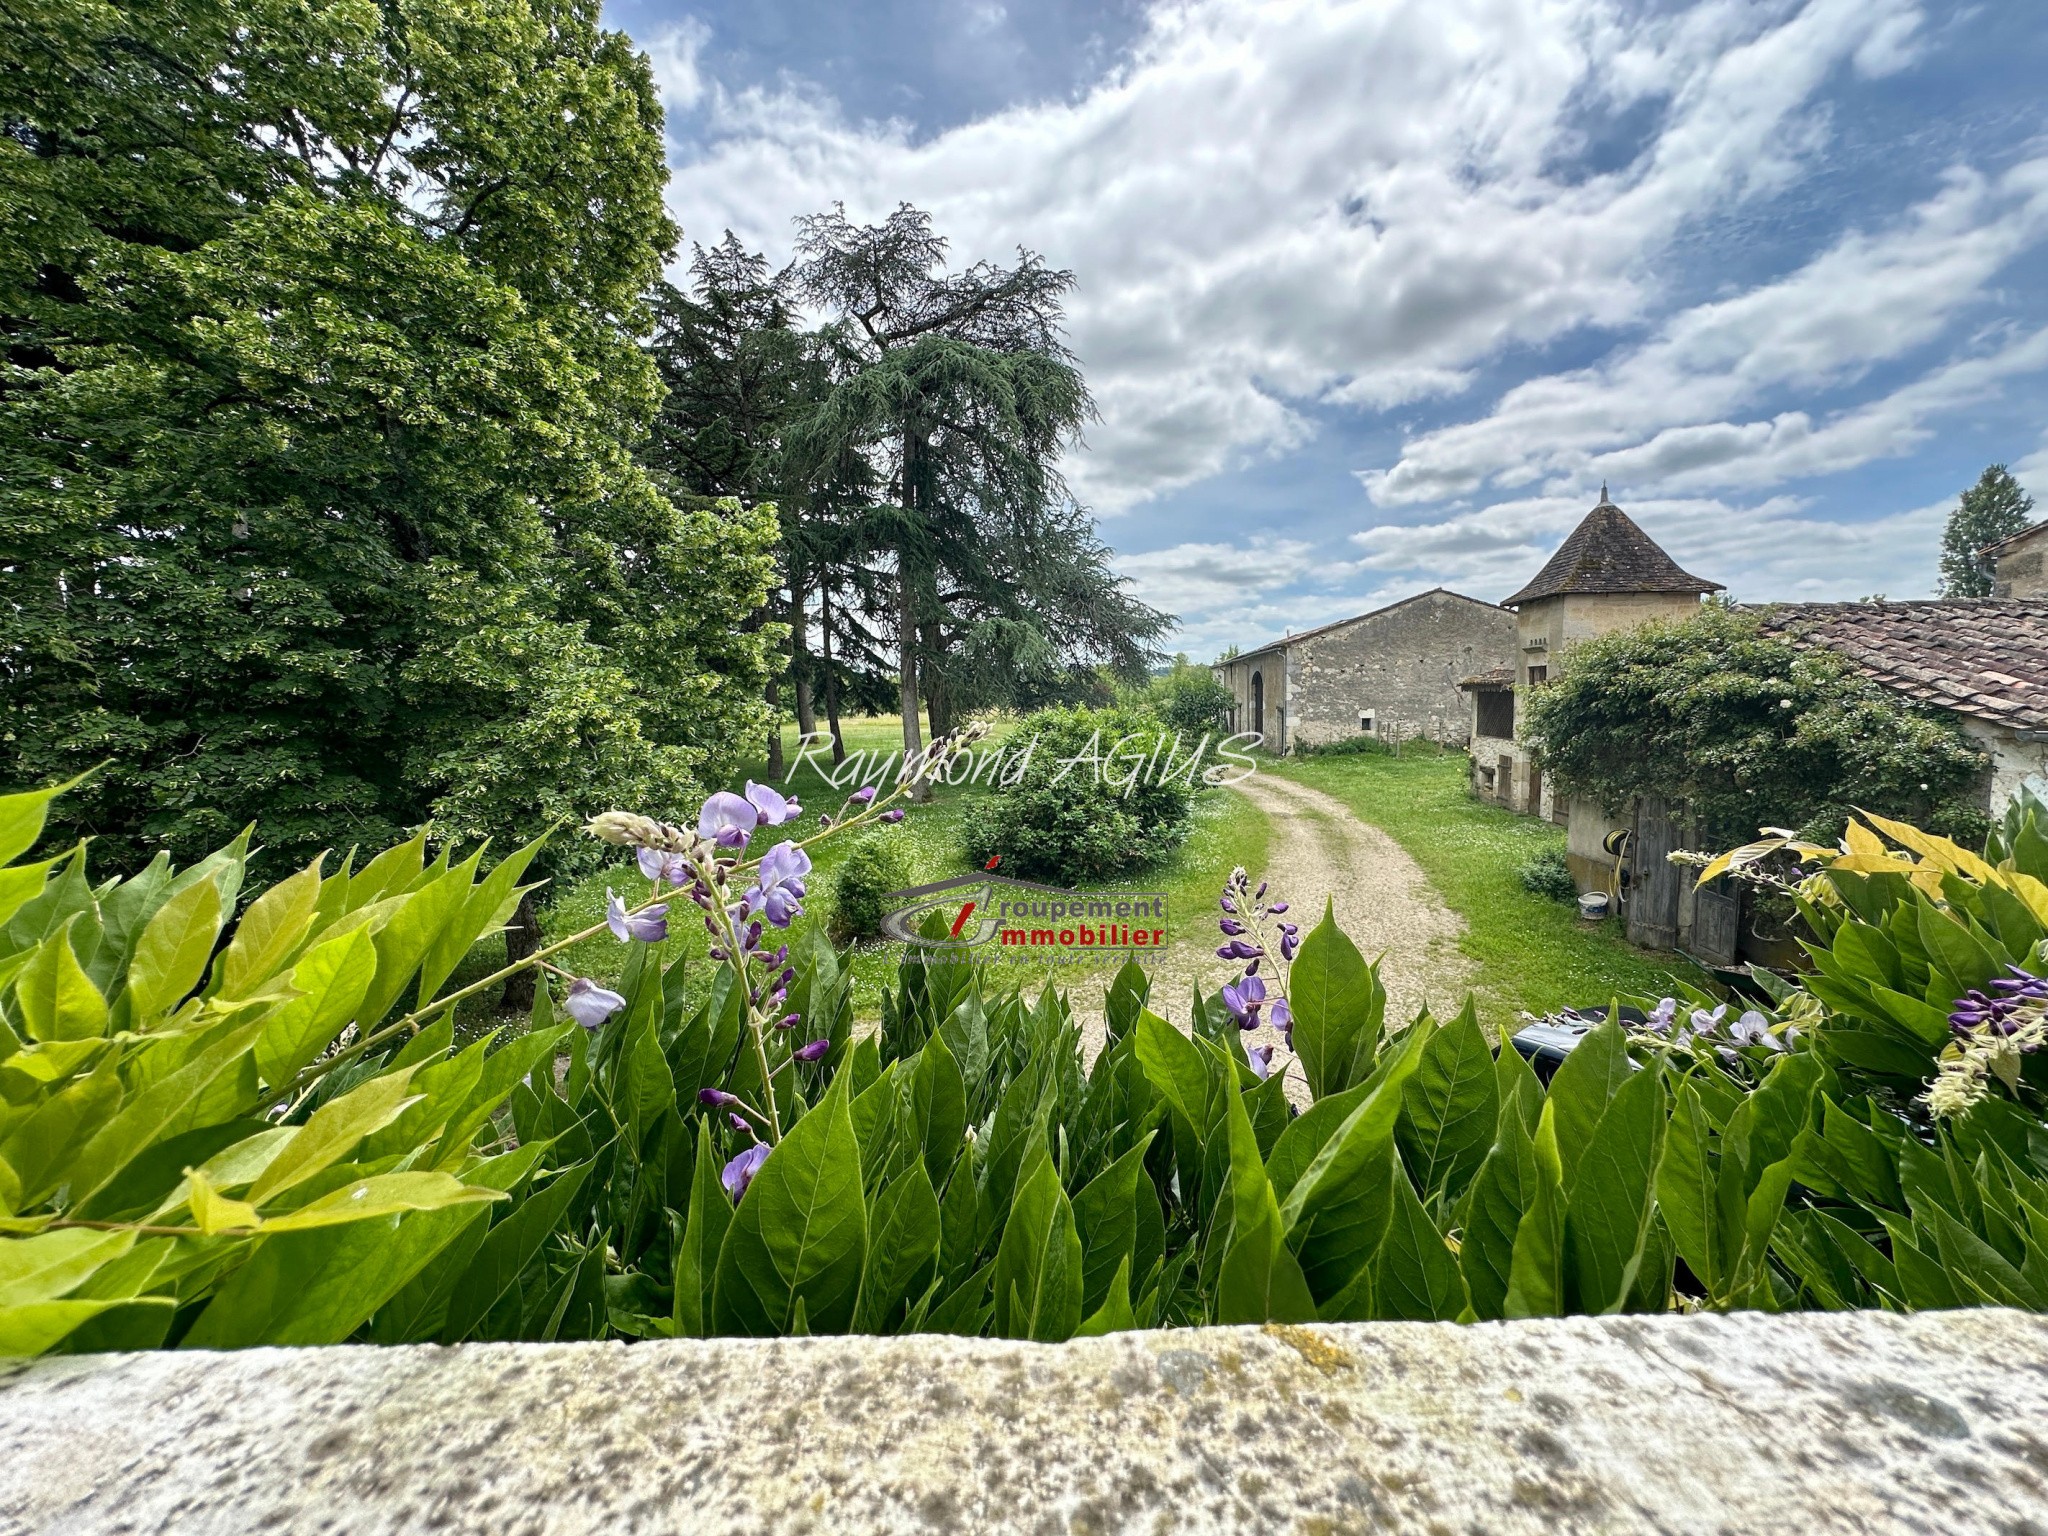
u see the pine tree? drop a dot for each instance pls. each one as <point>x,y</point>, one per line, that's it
<point>1994,508</point>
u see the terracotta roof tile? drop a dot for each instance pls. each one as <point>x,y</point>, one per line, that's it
<point>1607,552</point>
<point>1985,657</point>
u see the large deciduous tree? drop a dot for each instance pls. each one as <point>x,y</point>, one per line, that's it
<point>320,376</point>
<point>1994,508</point>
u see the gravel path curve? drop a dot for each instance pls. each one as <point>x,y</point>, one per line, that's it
<point>1321,851</point>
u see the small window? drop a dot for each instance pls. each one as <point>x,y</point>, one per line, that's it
<point>1365,726</point>
<point>1539,674</point>
<point>1496,714</point>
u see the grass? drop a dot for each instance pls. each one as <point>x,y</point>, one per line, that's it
<point>1226,831</point>
<point>1533,953</point>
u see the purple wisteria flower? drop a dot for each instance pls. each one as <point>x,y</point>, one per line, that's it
<point>774,808</point>
<point>649,924</point>
<point>589,1004</point>
<point>1281,1017</point>
<point>739,1173</point>
<point>778,890</point>
<point>1976,1010</point>
<point>813,1051</point>
<point>655,865</point>
<point>727,820</point>
<point>1244,999</point>
<point>714,1098</point>
<point>892,815</point>
<point>1659,1020</point>
<point>1238,949</point>
<point>863,796</point>
<point>738,1122</point>
<point>1261,1058</point>
<point>1705,1023</point>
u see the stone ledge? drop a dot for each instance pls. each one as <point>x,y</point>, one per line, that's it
<point>1843,1422</point>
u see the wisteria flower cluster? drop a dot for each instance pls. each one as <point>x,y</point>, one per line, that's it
<point>1703,1029</point>
<point>1993,1030</point>
<point>744,906</point>
<point>1255,931</point>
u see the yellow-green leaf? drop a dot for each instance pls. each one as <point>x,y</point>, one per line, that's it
<point>380,1195</point>
<point>332,979</point>
<point>34,1328</point>
<point>57,999</point>
<point>333,1132</point>
<point>269,932</point>
<point>173,951</point>
<point>214,1212</point>
<point>44,1267</point>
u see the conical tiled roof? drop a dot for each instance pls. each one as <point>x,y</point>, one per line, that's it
<point>1607,552</point>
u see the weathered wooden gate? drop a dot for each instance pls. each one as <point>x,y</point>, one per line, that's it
<point>1716,924</point>
<point>1653,893</point>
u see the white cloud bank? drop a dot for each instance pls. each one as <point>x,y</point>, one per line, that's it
<point>1279,204</point>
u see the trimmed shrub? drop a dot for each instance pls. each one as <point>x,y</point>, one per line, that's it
<point>1548,875</point>
<point>1092,799</point>
<point>875,864</point>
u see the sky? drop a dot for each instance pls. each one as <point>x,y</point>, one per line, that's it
<point>1374,296</point>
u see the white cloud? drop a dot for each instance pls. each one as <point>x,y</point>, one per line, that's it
<point>674,52</point>
<point>1282,201</point>
<point>1778,548</point>
<point>1653,415</point>
<point>2032,472</point>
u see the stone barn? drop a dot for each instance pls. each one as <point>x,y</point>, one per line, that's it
<point>1392,673</point>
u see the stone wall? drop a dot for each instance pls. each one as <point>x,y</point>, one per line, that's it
<point>1392,672</point>
<point>1825,1424</point>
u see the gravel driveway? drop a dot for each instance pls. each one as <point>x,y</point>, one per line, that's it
<point>1320,850</point>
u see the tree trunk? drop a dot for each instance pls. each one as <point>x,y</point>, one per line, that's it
<point>906,661</point>
<point>522,938</point>
<point>773,693</point>
<point>906,613</point>
<point>800,656</point>
<point>831,676</point>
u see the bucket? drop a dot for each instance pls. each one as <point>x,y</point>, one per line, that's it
<point>1593,905</point>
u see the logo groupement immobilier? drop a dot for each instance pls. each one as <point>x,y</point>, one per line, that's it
<point>993,915</point>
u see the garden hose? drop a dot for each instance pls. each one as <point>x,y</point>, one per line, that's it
<point>1617,844</point>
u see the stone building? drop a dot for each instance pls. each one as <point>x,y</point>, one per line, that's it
<point>1393,673</point>
<point>2019,565</point>
<point>1607,575</point>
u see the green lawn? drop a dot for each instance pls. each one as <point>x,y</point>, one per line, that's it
<point>1226,831</point>
<point>1532,953</point>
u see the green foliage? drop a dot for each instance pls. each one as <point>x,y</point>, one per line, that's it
<point>320,378</point>
<point>170,1169</point>
<point>1345,746</point>
<point>1095,799</point>
<point>1994,508</point>
<point>1749,730</point>
<point>873,866</point>
<point>1547,874</point>
<point>1189,699</point>
<point>963,1171</point>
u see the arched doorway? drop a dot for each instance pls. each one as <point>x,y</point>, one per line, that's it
<point>1259,703</point>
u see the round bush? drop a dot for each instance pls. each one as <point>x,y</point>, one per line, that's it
<point>875,864</point>
<point>1092,797</point>
<point>1548,875</point>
